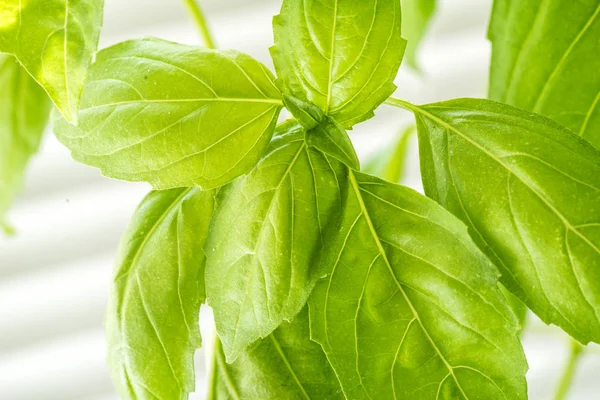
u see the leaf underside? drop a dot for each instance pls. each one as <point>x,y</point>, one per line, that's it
<point>173,115</point>
<point>532,202</point>
<point>545,59</point>
<point>411,308</point>
<point>152,319</point>
<point>55,41</point>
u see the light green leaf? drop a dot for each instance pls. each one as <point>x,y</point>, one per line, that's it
<point>325,133</point>
<point>545,59</point>
<point>173,115</point>
<point>411,308</point>
<point>266,238</point>
<point>55,41</point>
<point>308,115</point>
<point>389,162</point>
<point>341,55</point>
<point>284,365</point>
<point>529,189</point>
<point>415,19</point>
<point>24,110</point>
<point>331,139</point>
<point>518,307</point>
<point>152,319</point>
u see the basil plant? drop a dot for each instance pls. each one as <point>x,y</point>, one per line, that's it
<point>325,282</point>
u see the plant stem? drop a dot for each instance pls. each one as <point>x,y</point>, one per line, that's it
<point>212,373</point>
<point>401,103</point>
<point>569,371</point>
<point>198,15</point>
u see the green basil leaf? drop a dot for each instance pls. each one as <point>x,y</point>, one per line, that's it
<point>322,131</point>
<point>266,237</point>
<point>545,59</point>
<point>284,365</point>
<point>411,308</point>
<point>24,110</point>
<point>529,189</point>
<point>173,115</point>
<point>55,41</point>
<point>416,15</point>
<point>388,163</point>
<point>331,139</point>
<point>152,319</point>
<point>308,115</point>
<point>518,307</point>
<point>340,55</point>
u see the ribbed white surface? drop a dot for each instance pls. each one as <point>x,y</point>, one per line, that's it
<point>54,275</point>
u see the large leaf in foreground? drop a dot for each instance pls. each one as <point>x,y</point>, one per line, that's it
<point>545,59</point>
<point>152,319</point>
<point>55,41</point>
<point>266,237</point>
<point>173,115</point>
<point>341,55</point>
<point>284,365</point>
<point>24,110</point>
<point>411,308</point>
<point>532,201</point>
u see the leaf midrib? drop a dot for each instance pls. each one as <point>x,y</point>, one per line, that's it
<point>258,240</point>
<point>288,365</point>
<point>190,100</point>
<point>449,127</point>
<point>559,65</point>
<point>331,54</point>
<point>365,212</point>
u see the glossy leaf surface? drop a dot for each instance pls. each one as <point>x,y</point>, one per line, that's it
<point>152,320</point>
<point>411,308</point>
<point>545,59</point>
<point>341,55</point>
<point>532,202</point>
<point>24,110</point>
<point>266,238</point>
<point>173,115</point>
<point>55,41</point>
<point>284,365</point>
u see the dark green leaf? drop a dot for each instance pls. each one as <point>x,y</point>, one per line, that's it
<point>152,319</point>
<point>545,59</point>
<point>529,189</point>
<point>286,365</point>
<point>341,55</point>
<point>173,115</point>
<point>24,110</point>
<point>411,308</point>
<point>266,237</point>
<point>55,41</point>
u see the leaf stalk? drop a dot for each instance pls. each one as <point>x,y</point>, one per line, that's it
<point>569,371</point>
<point>200,19</point>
